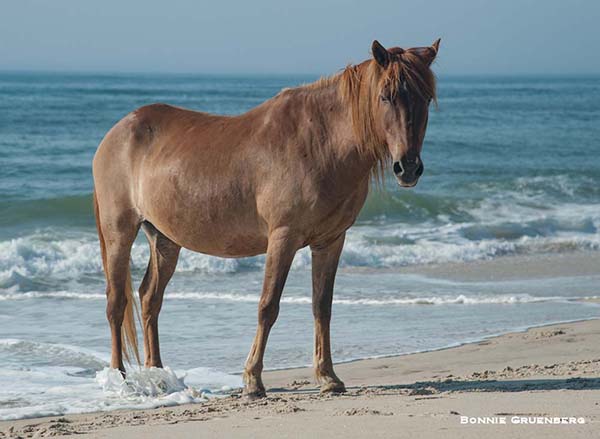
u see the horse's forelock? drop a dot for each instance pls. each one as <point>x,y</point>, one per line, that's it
<point>412,67</point>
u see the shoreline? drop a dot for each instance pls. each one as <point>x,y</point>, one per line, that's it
<point>518,330</point>
<point>502,268</point>
<point>528,366</point>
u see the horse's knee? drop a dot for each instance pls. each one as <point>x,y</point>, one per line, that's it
<point>268,312</point>
<point>115,307</point>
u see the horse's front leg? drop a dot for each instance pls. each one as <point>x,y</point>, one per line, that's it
<point>324,267</point>
<point>280,253</point>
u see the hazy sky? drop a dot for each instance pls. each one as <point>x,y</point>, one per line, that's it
<point>305,36</point>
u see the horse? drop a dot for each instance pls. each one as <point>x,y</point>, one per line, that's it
<point>292,172</point>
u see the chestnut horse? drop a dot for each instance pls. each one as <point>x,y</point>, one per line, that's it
<point>290,173</point>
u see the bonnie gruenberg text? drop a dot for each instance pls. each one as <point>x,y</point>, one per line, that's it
<point>522,420</point>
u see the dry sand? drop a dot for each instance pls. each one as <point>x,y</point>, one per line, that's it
<point>551,371</point>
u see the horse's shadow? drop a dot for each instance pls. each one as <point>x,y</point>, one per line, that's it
<point>425,388</point>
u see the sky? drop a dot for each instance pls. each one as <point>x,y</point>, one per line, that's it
<point>301,36</point>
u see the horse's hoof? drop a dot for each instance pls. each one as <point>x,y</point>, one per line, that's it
<point>333,387</point>
<point>253,395</point>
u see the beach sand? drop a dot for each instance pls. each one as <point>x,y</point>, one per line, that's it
<point>551,371</point>
<point>518,267</point>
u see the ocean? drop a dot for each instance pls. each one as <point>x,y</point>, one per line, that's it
<point>512,166</point>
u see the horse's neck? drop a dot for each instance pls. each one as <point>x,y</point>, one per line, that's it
<point>332,118</point>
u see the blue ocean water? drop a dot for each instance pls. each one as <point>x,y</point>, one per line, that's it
<point>512,168</point>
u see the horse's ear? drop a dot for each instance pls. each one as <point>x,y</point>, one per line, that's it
<point>427,54</point>
<point>433,51</point>
<point>380,53</point>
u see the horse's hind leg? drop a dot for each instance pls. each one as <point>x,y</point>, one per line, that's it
<point>163,260</point>
<point>324,266</point>
<point>117,231</point>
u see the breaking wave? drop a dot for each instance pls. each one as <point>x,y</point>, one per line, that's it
<point>447,299</point>
<point>45,262</point>
<point>530,215</point>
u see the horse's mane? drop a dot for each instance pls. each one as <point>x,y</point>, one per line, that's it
<point>360,86</point>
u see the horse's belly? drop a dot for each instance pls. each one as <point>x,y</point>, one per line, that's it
<point>230,246</point>
<point>229,240</point>
<point>224,227</point>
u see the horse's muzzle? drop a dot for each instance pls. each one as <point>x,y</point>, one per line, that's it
<point>408,171</point>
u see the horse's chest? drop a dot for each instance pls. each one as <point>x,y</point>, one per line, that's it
<point>337,214</point>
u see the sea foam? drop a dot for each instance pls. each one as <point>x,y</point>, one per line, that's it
<point>395,229</point>
<point>70,389</point>
<point>47,261</point>
<point>339,299</point>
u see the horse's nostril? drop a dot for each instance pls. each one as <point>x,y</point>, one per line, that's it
<point>397,168</point>
<point>420,169</point>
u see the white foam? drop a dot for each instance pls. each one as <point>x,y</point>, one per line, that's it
<point>445,299</point>
<point>427,300</point>
<point>505,223</point>
<point>25,258</point>
<point>142,386</point>
<point>51,295</point>
<point>51,391</point>
<point>48,255</point>
<point>61,379</point>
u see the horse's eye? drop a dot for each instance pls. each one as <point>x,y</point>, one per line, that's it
<point>384,98</point>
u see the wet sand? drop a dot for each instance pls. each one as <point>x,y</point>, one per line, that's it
<point>544,373</point>
<point>520,267</point>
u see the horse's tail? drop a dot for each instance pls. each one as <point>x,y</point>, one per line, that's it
<point>129,342</point>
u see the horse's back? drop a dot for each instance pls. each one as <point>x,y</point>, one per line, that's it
<point>182,171</point>
<point>146,133</point>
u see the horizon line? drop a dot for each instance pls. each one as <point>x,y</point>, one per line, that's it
<point>313,74</point>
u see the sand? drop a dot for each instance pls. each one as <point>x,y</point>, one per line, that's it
<point>539,375</point>
<point>518,267</point>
